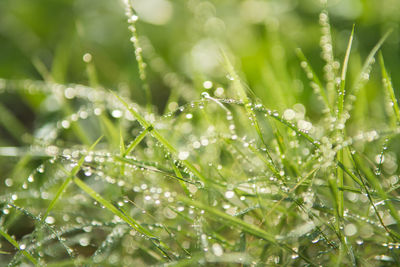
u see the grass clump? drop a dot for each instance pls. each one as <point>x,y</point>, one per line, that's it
<point>224,178</point>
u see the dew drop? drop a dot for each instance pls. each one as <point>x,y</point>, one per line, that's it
<point>230,77</point>
<point>204,142</point>
<point>196,144</point>
<point>180,208</point>
<point>87,57</point>
<point>316,240</point>
<point>183,155</point>
<point>65,124</point>
<point>207,84</point>
<point>350,229</point>
<point>205,95</point>
<point>229,194</point>
<point>50,220</point>
<point>217,249</point>
<point>116,113</point>
<point>69,93</point>
<point>8,182</point>
<point>40,169</point>
<point>219,91</point>
<point>289,114</point>
<point>133,18</point>
<point>84,241</point>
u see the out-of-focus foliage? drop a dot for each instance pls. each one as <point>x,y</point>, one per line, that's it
<point>187,35</point>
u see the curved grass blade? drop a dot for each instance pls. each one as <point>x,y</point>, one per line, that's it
<point>315,82</point>
<point>160,138</point>
<point>343,76</point>
<point>366,69</point>
<point>18,247</point>
<point>72,174</point>
<point>137,140</point>
<point>394,235</point>
<point>241,92</point>
<point>129,220</point>
<point>154,169</point>
<point>387,83</point>
<point>244,226</point>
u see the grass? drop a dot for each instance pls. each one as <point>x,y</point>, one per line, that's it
<point>222,175</point>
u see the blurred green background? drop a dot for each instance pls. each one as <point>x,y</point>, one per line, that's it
<point>46,39</point>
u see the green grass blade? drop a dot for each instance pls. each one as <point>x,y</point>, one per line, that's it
<point>137,140</point>
<point>387,83</point>
<point>163,171</point>
<point>122,147</point>
<point>300,182</point>
<point>250,228</point>
<point>316,85</point>
<point>234,221</point>
<point>58,195</point>
<point>234,77</point>
<point>181,181</point>
<point>91,71</point>
<point>377,186</point>
<point>241,93</point>
<point>78,166</point>
<point>42,69</point>
<point>343,76</point>
<point>17,246</point>
<point>374,50</point>
<point>109,129</point>
<point>365,70</point>
<point>132,18</point>
<point>341,96</point>
<point>129,220</point>
<point>160,138</point>
<point>67,181</point>
<point>12,125</point>
<point>370,198</point>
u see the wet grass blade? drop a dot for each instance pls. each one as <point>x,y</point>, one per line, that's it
<point>341,97</point>
<point>18,247</point>
<point>389,88</point>
<point>234,221</point>
<point>343,76</point>
<point>67,181</point>
<point>121,214</point>
<point>129,220</point>
<point>370,198</point>
<point>316,83</point>
<point>137,140</point>
<point>377,186</point>
<point>138,53</point>
<point>160,138</point>
<point>365,70</point>
<point>241,92</point>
